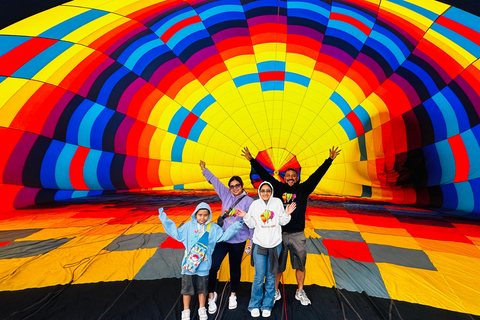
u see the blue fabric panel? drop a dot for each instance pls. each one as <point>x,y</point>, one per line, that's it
<point>297,78</point>
<point>62,167</point>
<point>432,165</point>
<point>437,119</point>
<point>450,196</point>
<point>110,84</point>
<point>448,114</point>
<point>348,128</point>
<point>271,65</point>
<point>341,103</point>
<point>447,161</point>
<point>103,171</point>
<point>98,128</point>
<point>177,149</point>
<point>32,67</point>
<point>462,117</point>
<point>467,19</point>
<point>424,12</point>
<point>47,172</point>
<point>177,120</point>
<point>135,45</point>
<point>64,28</point>
<point>85,134</point>
<point>75,121</point>
<point>186,36</point>
<point>465,43</point>
<point>174,17</point>
<point>90,169</point>
<point>423,75</point>
<point>203,104</point>
<point>8,42</point>
<point>272,85</point>
<point>148,57</point>
<point>364,117</point>
<point>196,130</point>
<point>246,79</point>
<point>142,50</point>
<point>471,139</point>
<point>347,32</point>
<point>466,200</point>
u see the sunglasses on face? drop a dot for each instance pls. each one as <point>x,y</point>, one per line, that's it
<point>234,186</point>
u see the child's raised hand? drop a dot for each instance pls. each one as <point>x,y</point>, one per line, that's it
<point>290,208</point>
<point>240,213</point>
<point>160,212</point>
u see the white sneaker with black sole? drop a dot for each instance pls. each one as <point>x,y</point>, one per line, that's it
<point>277,296</point>
<point>212,306</point>
<point>302,297</point>
<point>232,302</point>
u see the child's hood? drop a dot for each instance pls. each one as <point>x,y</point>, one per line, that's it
<point>260,187</point>
<point>202,205</point>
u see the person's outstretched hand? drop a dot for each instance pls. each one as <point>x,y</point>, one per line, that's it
<point>334,152</point>
<point>160,211</point>
<point>240,213</point>
<point>290,208</point>
<point>246,154</point>
<point>202,165</point>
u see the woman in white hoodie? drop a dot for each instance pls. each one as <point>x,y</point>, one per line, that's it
<point>266,216</point>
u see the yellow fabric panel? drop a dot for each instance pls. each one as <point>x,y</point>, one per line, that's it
<point>157,111</point>
<point>270,51</point>
<point>218,81</point>
<point>332,113</point>
<point>228,96</point>
<point>112,5</point>
<point>60,67</point>
<point>147,226</point>
<point>333,223</point>
<point>355,172</point>
<point>432,5</point>
<point>413,17</point>
<point>194,98</point>
<point>9,267</point>
<point>115,266</point>
<point>176,172</point>
<point>92,31</point>
<point>326,81</point>
<point>451,263</point>
<point>419,286</point>
<point>391,232</point>
<point>241,65</point>
<point>79,222</point>
<point>405,241</point>
<point>466,288</point>
<point>251,94</point>
<point>55,233</point>
<point>189,89</point>
<point>460,55</point>
<point>42,21</point>
<point>59,266</point>
<point>15,93</point>
<point>299,64</point>
<point>318,271</point>
<point>205,137</point>
<point>345,91</point>
<point>464,249</point>
<point>155,144</point>
<point>164,173</point>
<point>294,92</point>
<point>231,128</point>
<point>167,114</point>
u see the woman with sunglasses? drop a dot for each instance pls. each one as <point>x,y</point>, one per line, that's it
<point>233,198</point>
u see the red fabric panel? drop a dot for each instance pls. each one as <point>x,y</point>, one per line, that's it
<point>462,164</point>
<point>76,168</point>
<point>303,45</point>
<point>357,124</point>
<point>465,31</point>
<point>272,76</point>
<point>77,77</point>
<point>348,250</point>
<point>331,66</point>
<point>171,244</point>
<point>187,125</point>
<point>351,21</point>
<point>133,138</point>
<point>17,57</point>
<point>178,26</point>
<point>8,141</point>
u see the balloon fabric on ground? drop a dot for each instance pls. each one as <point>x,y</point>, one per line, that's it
<point>105,97</point>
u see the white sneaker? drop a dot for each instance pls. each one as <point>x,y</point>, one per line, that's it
<point>232,302</point>
<point>266,313</point>
<point>277,296</point>
<point>302,297</point>
<point>186,314</point>
<point>255,313</point>
<point>202,313</point>
<point>212,306</point>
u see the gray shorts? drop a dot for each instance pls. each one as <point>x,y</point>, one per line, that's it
<point>297,245</point>
<point>194,284</point>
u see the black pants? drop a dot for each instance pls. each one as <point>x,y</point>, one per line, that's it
<point>235,253</point>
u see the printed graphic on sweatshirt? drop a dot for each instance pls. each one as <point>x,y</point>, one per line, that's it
<point>288,197</point>
<point>266,216</point>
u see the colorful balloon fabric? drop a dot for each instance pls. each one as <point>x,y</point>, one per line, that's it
<point>276,162</point>
<point>129,95</point>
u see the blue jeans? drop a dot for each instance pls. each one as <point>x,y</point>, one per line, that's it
<point>259,299</point>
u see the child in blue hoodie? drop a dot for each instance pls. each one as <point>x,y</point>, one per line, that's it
<point>190,234</point>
